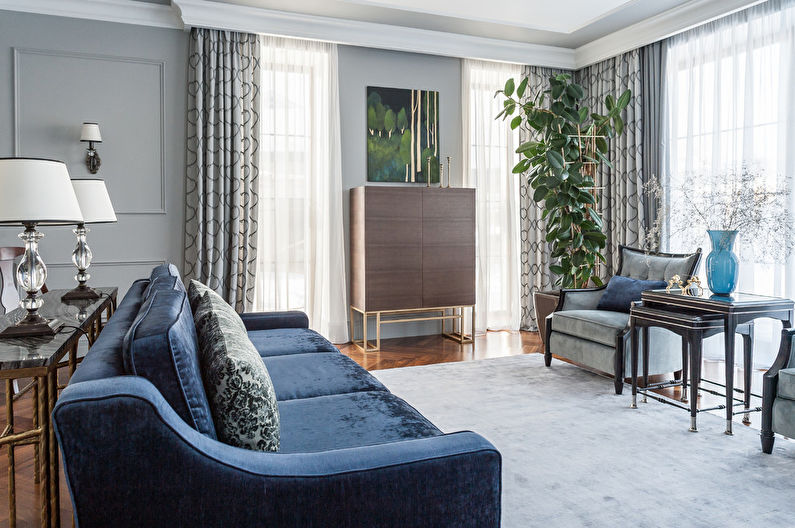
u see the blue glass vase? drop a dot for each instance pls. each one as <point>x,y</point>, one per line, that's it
<point>723,266</point>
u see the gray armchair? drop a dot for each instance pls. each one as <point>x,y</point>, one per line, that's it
<point>778,394</point>
<point>599,339</point>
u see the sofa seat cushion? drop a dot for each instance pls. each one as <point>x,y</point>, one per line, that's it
<point>310,375</point>
<point>282,341</point>
<point>600,326</point>
<point>239,387</point>
<point>349,420</point>
<point>161,346</point>
<point>786,383</point>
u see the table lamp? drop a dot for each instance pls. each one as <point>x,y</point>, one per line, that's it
<point>92,195</point>
<point>35,192</point>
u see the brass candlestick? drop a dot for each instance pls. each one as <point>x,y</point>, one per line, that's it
<point>448,172</point>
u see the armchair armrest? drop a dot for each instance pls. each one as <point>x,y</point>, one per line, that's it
<point>580,299</point>
<point>131,461</point>
<point>272,320</point>
<point>785,357</point>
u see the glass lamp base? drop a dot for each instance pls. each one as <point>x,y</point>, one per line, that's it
<point>80,293</point>
<point>32,325</point>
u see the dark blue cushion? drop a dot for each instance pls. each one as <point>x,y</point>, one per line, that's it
<point>621,292</point>
<point>161,346</point>
<point>105,354</point>
<point>349,420</point>
<point>310,375</point>
<point>283,341</point>
<point>164,270</point>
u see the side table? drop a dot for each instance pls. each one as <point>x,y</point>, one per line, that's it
<point>697,317</point>
<point>40,358</point>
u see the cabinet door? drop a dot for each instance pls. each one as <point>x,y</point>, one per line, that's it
<point>393,246</point>
<point>448,247</point>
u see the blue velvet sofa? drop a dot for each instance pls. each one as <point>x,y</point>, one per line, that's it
<point>352,453</point>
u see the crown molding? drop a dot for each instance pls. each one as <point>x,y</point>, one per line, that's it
<point>202,13</point>
<point>657,28</point>
<point>121,11</point>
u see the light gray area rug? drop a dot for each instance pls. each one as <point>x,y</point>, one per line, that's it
<point>575,454</point>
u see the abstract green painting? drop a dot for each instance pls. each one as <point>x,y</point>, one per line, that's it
<point>402,134</point>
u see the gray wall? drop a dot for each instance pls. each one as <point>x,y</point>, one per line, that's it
<point>363,67</point>
<point>57,73</point>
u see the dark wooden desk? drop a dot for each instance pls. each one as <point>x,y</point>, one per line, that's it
<point>40,358</point>
<point>697,317</point>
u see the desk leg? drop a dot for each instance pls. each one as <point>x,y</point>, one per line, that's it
<point>44,452</point>
<point>645,336</point>
<point>748,369</point>
<point>12,491</point>
<point>685,361</point>
<point>694,342</point>
<point>52,393</point>
<point>730,327</point>
<point>633,330</point>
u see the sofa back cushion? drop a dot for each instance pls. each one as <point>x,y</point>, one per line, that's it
<point>164,270</point>
<point>638,264</point>
<point>621,292</point>
<point>164,282</point>
<point>161,346</point>
<point>241,394</point>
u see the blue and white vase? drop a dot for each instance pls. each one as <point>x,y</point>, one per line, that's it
<point>722,264</point>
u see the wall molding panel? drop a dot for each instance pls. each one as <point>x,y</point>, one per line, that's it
<point>121,11</point>
<point>19,54</point>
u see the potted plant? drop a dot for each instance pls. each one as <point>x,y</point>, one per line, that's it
<point>567,145</point>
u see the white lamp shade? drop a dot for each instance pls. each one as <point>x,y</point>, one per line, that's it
<point>90,132</point>
<point>37,191</point>
<point>92,195</point>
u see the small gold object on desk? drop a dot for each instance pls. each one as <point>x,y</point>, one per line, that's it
<point>693,287</point>
<point>675,282</point>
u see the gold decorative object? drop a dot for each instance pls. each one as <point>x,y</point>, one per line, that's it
<point>676,281</point>
<point>693,283</point>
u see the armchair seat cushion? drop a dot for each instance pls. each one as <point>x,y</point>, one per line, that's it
<point>600,326</point>
<point>311,375</point>
<point>349,420</point>
<point>282,341</point>
<point>786,383</point>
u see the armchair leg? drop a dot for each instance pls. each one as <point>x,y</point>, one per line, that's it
<point>547,358</point>
<point>767,442</point>
<point>619,384</point>
<point>547,342</point>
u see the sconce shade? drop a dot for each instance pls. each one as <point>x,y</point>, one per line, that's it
<point>90,132</point>
<point>92,195</point>
<point>37,191</point>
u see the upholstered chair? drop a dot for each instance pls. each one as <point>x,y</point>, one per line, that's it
<point>600,339</point>
<point>778,394</point>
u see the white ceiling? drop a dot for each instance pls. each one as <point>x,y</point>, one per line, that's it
<point>564,23</point>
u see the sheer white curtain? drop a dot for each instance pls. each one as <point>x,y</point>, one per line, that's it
<point>730,100</point>
<point>489,157</point>
<point>301,262</point>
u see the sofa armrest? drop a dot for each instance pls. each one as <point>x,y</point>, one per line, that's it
<point>131,461</point>
<point>580,299</point>
<point>272,320</point>
<point>785,357</point>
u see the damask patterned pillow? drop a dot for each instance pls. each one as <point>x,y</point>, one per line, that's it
<point>218,306</point>
<point>238,386</point>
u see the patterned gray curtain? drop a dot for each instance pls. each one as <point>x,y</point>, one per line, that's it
<point>652,69</point>
<point>221,186</point>
<point>535,249</point>
<point>621,198</point>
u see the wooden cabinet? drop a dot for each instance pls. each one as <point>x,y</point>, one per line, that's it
<point>412,248</point>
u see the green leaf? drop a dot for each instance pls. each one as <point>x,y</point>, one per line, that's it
<point>583,114</point>
<point>597,281</point>
<point>618,123</point>
<point>515,122</point>
<point>557,270</point>
<point>525,147</point>
<point>575,91</point>
<point>555,159</point>
<point>540,194</point>
<point>623,100</point>
<point>610,102</point>
<point>557,90</point>
<point>509,86</point>
<point>522,87</point>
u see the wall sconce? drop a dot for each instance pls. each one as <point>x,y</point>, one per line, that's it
<point>90,133</point>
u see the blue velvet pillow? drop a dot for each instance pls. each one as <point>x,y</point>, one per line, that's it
<point>621,292</point>
<point>161,346</point>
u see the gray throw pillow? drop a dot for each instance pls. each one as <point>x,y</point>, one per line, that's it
<point>238,386</point>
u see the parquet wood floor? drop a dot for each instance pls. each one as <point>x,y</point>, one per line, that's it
<point>402,352</point>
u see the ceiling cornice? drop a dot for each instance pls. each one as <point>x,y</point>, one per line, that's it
<point>122,11</point>
<point>201,13</point>
<point>657,28</point>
